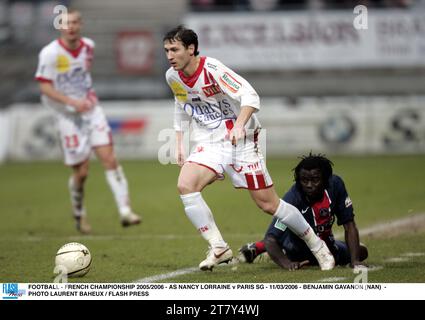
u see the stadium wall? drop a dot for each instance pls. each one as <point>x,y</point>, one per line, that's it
<point>143,130</point>
<point>302,40</point>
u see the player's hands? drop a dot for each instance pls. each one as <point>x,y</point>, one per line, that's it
<point>236,134</point>
<point>295,265</point>
<point>81,105</point>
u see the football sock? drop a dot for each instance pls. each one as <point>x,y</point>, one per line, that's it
<point>293,219</point>
<point>119,186</point>
<point>77,197</point>
<point>201,217</point>
<point>260,247</point>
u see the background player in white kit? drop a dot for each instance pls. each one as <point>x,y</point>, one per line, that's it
<point>220,104</point>
<point>65,82</point>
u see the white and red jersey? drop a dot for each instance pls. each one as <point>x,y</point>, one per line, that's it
<point>212,97</point>
<point>68,70</point>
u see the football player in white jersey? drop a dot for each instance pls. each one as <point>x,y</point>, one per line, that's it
<point>221,107</point>
<point>65,82</point>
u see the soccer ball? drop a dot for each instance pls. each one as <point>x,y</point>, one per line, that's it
<point>73,259</point>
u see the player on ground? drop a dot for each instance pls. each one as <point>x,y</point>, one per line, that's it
<point>320,196</point>
<point>65,82</point>
<point>220,105</point>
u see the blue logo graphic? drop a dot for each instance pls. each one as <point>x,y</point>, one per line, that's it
<point>11,291</point>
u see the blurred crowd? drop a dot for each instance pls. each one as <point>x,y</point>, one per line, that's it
<point>269,5</point>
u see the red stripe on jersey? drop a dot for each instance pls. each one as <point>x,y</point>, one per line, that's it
<point>212,78</point>
<point>41,79</point>
<point>191,80</point>
<point>206,78</point>
<point>254,189</point>
<point>250,181</point>
<point>261,181</point>
<point>74,52</point>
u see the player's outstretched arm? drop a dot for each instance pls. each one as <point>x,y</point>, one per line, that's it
<point>275,252</point>
<point>238,131</point>
<point>353,243</point>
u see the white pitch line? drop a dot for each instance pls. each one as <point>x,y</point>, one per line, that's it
<point>417,219</point>
<point>413,254</point>
<point>397,259</point>
<point>169,275</point>
<point>332,279</point>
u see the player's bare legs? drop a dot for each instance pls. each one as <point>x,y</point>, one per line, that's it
<point>118,184</point>
<point>192,180</point>
<point>269,202</point>
<point>76,188</point>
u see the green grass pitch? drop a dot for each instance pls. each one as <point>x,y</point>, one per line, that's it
<point>36,221</point>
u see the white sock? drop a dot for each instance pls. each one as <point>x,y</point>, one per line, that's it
<point>294,220</point>
<point>77,198</point>
<point>119,186</point>
<point>201,217</point>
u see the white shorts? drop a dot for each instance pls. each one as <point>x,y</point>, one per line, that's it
<point>244,164</point>
<point>79,135</point>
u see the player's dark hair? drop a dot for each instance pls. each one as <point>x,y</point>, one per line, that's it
<point>186,36</point>
<point>314,161</point>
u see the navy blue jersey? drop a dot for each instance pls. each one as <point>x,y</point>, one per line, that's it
<point>335,205</point>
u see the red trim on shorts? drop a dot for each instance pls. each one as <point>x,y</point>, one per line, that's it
<point>261,181</point>
<point>102,145</point>
<point>110,143</point>
<point>236,170</point>
<point>44,80</point>
<point>206,78</point>
<point>250,181</point>
<point>255,189</point>
<point>79,163</point>
<point>203,165</point>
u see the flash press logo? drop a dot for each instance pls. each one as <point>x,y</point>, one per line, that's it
<point>11,291</point>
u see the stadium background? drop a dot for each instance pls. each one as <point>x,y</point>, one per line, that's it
<point>356,95</point>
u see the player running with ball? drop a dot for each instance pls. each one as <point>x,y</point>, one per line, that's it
<point>221,107</point>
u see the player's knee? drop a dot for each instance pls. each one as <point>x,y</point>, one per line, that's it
<point>185,187</point>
